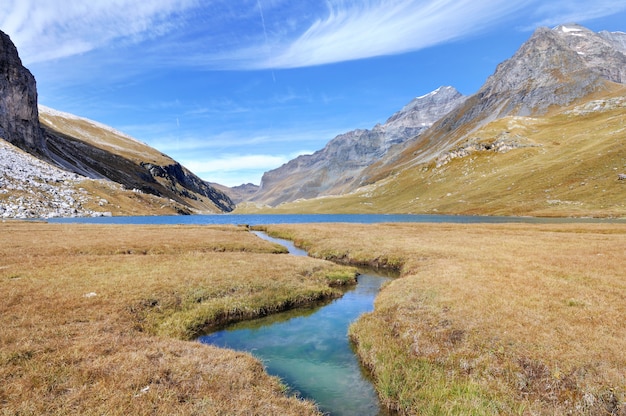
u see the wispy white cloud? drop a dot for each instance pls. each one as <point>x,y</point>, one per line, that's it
<point>263,34</point>
<point>575,11</point>
<point>362,29</point>
<point>236,169</point>
<point>356,29</point>
<point>52,29</point>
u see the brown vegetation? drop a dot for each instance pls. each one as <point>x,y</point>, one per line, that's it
<point>490,319</point>
<point>94,318</point>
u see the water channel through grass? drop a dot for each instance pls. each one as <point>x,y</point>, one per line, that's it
<point>309,349</point>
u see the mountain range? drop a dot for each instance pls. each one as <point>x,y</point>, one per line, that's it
<point>544,136</point>
<point>547,82</point>
<point>340,166</point>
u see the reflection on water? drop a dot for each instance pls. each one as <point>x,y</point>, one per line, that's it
<point>310,351</point>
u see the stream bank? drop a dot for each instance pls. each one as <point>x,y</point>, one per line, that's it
<point>309,349</point>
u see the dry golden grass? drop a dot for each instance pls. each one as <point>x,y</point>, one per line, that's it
<point>490,319</point>
<point>94,318</point>
<point>120,201</point>
<point>104,138</point>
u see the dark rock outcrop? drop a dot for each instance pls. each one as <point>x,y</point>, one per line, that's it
<point>19,118</point>
<point>181,181</point>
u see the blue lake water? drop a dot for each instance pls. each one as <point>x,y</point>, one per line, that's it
<point>263,219</point>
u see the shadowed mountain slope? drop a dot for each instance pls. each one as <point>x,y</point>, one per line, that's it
<point>97,151</point>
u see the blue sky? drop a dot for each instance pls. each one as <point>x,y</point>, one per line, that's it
<point>233,88</point>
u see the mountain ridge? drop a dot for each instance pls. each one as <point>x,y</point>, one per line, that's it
<point>544,73</point>
<point>554,72</point>
<point>338,167</point>
<point>91,149</point>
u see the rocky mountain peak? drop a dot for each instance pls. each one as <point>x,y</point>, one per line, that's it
<point>426,109</point>
<point>603,54</point>
<point>339,166</point>
<point>554,67</point>
<point>18,92</point>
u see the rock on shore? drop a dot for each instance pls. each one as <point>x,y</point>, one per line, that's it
<point>30,188</point>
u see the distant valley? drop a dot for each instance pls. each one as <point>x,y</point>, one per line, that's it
<point>544,136</point>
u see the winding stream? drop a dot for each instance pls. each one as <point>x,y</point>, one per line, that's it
<point>309,350</point>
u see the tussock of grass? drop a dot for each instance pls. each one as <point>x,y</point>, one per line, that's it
<point>491,319</point>
<point>90,316</point>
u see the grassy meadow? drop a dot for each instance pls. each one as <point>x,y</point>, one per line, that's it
<point>485,319</point>
<point>98,319</point>
<point>493,319</point>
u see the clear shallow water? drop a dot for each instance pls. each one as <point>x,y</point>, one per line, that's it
<point>309,350</point>
<point>262,219</point>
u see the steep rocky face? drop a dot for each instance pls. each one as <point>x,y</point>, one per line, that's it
<point>553,69</point>
<point>19,119</point>
<point>617,39</point>
<point>423,111</point>
<point>337,168</point>
<point>547,70</point>
<point>604,53</point>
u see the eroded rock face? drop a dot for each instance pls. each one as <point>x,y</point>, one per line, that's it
<point>19,117</point>
<point>338,167</point>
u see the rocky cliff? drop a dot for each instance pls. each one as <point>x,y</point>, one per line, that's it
<point>338,167</point>
<point>19,123</point>
<point>90,149</point>
<point>553,69</point>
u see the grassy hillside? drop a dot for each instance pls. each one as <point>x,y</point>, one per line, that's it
<point>98,151</point>
<point>563,164</point>
<point>102,137</point>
